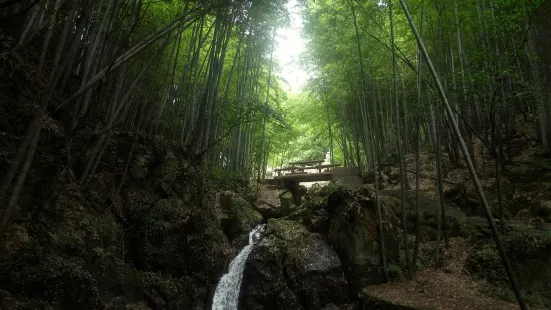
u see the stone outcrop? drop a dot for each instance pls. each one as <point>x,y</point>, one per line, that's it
<point>292,268</point>
<point>144,245</point>
<point>238,217</point>
<point>354,233</point>
<point>334,218</point>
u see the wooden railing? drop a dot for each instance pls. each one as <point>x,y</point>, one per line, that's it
<point>303,167</point>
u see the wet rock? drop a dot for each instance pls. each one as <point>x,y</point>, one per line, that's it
<point>240,216</point>
<point>331,307</point>
<point>267,210</point>
<point>292,268</point>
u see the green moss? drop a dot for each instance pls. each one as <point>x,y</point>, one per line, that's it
<point>243,215</point>
<point>307,208</point>
<point>394,271</point>
<point>286,230</point>
<point>353,233</point>
<point>329,189</point>
<point>8,301</point>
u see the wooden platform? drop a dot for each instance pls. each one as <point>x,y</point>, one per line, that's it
<point>307,177</point>
<point>345,176</point>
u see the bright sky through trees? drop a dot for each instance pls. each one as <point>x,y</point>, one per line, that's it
<point>290,44</point>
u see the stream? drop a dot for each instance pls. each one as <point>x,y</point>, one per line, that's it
<point>226,296</point>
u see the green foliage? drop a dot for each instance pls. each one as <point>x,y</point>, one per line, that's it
<point>50,278</point>
<point>395,272</point>
<point>488,72</point>
<point>161,221</point>
<point>329,189</point>
<point>529,254</point>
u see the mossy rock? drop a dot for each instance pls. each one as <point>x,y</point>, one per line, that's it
<point>354,234</point>
<point>286,230</point>
<point>240,216</point>
<point>313,214</point>
<point>287,203</point>
<point>116,280</point>
<point>167,292</point>
<point>62,282</point>
<point>292,268</point>
<point>328,189</point>
<point>8,301</point>
<point>368,301</point>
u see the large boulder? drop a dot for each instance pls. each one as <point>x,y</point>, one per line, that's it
<point>292,268</point>
<point>268,210</point>
<point>239,217</point>
<point>313,214</point>
<point>355,235</point>
<point>287,203</point>
<point>186,247</point>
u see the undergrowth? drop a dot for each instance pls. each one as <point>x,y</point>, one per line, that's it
<point>528,253</point>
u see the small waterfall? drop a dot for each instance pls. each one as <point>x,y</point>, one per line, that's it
<point>226,296</point>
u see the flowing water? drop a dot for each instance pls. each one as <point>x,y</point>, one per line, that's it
<point>227,292</point>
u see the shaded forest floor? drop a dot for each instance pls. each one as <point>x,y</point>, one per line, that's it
<point>525,182</point>
<point>449,287</point>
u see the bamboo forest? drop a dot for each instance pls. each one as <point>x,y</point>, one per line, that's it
<point>275,154</point>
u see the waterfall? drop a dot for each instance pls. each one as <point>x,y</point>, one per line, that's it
<point>226,295</point>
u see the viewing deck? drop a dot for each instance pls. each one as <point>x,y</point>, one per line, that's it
<point>345,176</point>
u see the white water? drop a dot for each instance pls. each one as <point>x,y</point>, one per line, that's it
<point>226,295</point>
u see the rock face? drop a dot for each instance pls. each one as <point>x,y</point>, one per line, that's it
<point>287,203</point>
<point>347,221</point>
<point>239,217</point>
<point>93,247</point>
<point>313,214</point>
<point>354,233</point>
<point>267,210</point>
<point>292,268</point>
